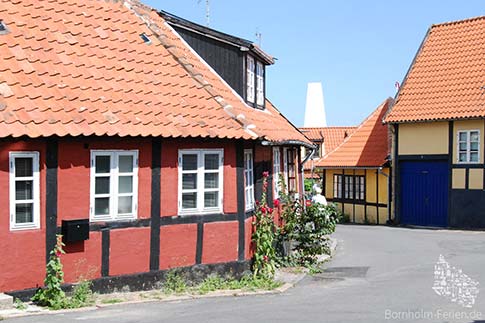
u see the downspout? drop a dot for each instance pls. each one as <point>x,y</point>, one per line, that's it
<point>307,157</point>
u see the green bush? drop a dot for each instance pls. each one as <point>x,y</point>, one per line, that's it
<point>174,283</point>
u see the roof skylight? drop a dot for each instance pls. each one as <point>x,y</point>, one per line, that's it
<point>145,38</point>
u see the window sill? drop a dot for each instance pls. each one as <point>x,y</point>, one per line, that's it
<point>200,212</point>
<point>91,220</point>
<point>32,226</point>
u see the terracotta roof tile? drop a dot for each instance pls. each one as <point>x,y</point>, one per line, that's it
<point>81,68</point>
<point>367,146</point>
<point>332,136</point>
<point>446,80</point>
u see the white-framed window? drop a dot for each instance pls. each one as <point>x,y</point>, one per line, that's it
<point>200,181</point>
<point>114,185</point>
<point>468,146</point>
<point>337,186</point>
<point>259,84</point>
<point>24,190</point>
<point>250,79</point>
<point>285,167</point>
<point>248,179</point>
<point>276,171</point>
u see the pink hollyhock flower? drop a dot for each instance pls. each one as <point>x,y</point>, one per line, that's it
<point>265,174</point>
<point>265,258</point>
<point>308,202</point>
<point>270,210</point>
<point>276,203</point>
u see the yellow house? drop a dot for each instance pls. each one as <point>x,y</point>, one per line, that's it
<point>356,174</point>
<point>438,125</point>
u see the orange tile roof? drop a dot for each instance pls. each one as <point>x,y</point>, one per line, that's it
<point>367,146</point>
<point>80,67</point>
<point>332,136</point>
<point>446,80</point>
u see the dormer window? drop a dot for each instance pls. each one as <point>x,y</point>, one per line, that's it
<point>259,84</point>
<point>254,82</point>
<point>250,80</point>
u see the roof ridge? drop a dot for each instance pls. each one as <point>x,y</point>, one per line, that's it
<point>454,22</point>
<point>137,7</point>
<point>359,126</point>
<point>329,127</point>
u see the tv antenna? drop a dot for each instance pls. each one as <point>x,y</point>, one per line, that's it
<point>259,37</point>
<point>207,11</point>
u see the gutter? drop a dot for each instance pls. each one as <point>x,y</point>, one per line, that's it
<point>287,143</point>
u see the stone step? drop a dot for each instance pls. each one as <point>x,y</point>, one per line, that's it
<point>6,302</point>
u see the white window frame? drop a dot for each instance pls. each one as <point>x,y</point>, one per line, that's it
<point>200,209</point>
<point>250,79</point>
<point>114,175</point>
<point>468,146</point>
<point>248,179</point>
<point>14,226</point>
<point>276,171</point>
<point>285,168</point>
<point>259,83</point>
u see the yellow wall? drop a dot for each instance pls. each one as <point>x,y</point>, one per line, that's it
<point>475,179</point>
<point>358,210</point>
<point>423,138</point>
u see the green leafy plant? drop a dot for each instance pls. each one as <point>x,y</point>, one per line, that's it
<point>52,294</point>
<point>174,283</point>
<point>112,301</point>
<point>18,304</point>
<point>82,295</point>
<point>264,236</point>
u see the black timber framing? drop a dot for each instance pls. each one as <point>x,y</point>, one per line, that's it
<point>52,152</point>
<point>377,196</point>
<point>451,127</point>
<point>155,204</point>
<point>241,216</point>
<point>365,196</point>
<point>397,180</point>
<point>105,248</point>
<point>200,242</point>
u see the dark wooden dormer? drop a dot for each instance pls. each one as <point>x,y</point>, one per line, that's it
<point>238,61</point>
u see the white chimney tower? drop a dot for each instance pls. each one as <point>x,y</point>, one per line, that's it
<point>315,108</point>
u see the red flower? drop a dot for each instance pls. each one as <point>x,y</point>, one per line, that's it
<point>276,203</point>
<point>265,258</point>
<point>264,209</point>
<point>265,174</point>
<point>270,210</point>
<point>58,253</point>
<point>308,202</point>
<point>257,203</point>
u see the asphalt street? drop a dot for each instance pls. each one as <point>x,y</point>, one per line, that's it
<point>379,274</point>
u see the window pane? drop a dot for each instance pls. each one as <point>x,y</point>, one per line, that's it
<point>474,146</point>
<point>189,200</point>
<point>463,136</point>
<point>189,181</point>
<point>211,180</point>
<point>126,164</point>
<point>125,204</point>
<point>101,185</point>
<point>189,162</point>
<point>125,184</point>
<point>474,156</point>
<point>462,157</point>
<point>23,167</point>
<point>103,164</point>
<point>101,206</point>
<point>462,146</point>
<point>24,213</point>
<point>474,136</point>
<point>211,161</point>
<point>23,190</point>
<point>210,199</point>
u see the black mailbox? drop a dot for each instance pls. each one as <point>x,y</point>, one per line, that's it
<point>75,230</point>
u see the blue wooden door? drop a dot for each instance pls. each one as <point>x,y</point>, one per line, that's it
<point>424,193</point>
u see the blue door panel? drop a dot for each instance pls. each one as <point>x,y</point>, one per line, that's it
<point>424,193</point>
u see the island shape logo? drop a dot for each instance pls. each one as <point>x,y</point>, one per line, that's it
<point>453,284</point>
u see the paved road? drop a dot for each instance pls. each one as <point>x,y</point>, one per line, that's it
<point>377,271</point>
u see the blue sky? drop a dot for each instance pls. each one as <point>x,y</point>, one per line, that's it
<point>357,49</point>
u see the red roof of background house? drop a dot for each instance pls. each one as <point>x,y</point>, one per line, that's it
<point>77,67</point>
<point>446,80</point>
<point>332,136</point>
<point>367,146</point>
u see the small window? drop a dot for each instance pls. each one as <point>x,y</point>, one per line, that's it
<point>24,190</point>
<point>468,146</point>
<point>145,38</point>
<point>337,186</point>
<point>259,84</point>
<point>250,79</point>
<point>200,181</point>
<point>289,169</point>
<point>360,188</point>
<point>114,185</point>
<point>277,171</point>
<point>3,27</point>
<point>248,179</point>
